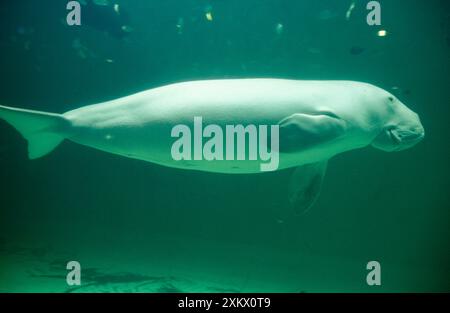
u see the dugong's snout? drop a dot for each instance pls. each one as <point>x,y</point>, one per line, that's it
<point>403,131</point>
<point>407,137</point>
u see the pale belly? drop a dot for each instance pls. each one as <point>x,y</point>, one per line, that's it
<point>155,145</point>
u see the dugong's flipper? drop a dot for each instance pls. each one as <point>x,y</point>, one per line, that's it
<point>301,131</point>
<point>43,131</point>
<point>305,185</point>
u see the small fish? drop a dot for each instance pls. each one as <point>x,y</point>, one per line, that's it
<point>82,50</point>
<point>101,2</point>
<point>180,25</point>
<point>327,15</point>
<point>208,13</point>
<point>107,17</point>
<point>401,91</point>
<point>279,28</point>
<point>23,31</point>
<point>348,14</point>
<point>356,50</point>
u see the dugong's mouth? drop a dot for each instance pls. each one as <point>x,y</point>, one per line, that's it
<point>397,138</point>
<point>404,139</point>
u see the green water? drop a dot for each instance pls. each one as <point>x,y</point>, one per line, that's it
<point>136,226</point>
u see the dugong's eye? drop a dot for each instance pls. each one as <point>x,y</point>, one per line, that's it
<point>391,99</point>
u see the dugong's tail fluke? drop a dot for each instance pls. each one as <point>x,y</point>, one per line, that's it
<point>43,131</point>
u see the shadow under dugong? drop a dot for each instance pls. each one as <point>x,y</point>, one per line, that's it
<point>316,119</point>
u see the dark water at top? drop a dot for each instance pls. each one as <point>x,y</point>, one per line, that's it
<point>136,226</point>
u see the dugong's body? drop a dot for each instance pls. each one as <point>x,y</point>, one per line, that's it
<point>139,126</point>
<point>317,120</point>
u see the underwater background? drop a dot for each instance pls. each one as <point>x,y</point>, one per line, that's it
<point>139,227</point>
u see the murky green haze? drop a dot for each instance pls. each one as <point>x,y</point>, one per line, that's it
<point>136,226</point>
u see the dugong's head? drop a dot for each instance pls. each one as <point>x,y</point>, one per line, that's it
<point>402,128</point>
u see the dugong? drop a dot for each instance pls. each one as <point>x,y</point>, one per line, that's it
<point>317,120</point>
